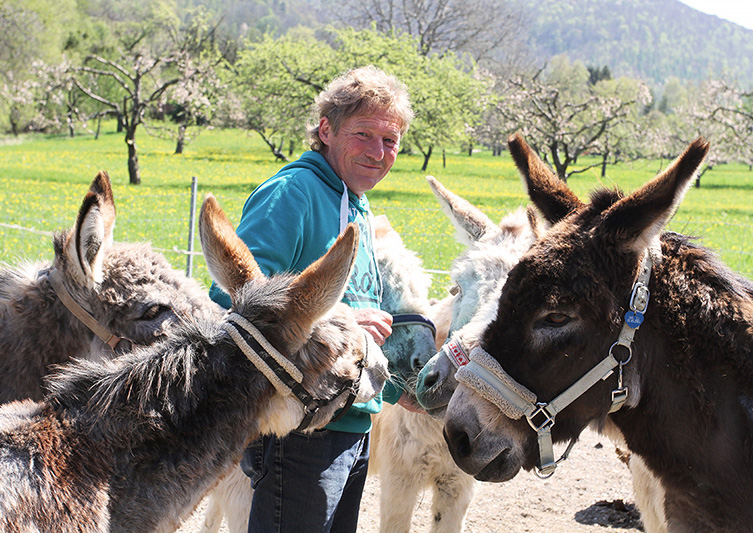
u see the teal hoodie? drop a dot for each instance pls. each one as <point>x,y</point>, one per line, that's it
<point>290,221</point>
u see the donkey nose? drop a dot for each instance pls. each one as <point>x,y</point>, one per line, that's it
<point>429,379</point>
<point>458,442</point>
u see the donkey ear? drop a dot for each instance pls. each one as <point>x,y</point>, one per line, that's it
<point>87,243</point>
<point>640,217</point>
<point>547,192</point>
<point>470,223</point>
<point>229,260</point>
<point>323,283</point>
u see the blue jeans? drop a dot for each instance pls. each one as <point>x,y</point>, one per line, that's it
<point>307,483</point>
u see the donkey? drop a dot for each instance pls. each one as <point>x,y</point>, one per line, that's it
<point>406,296</point>
<point>408,450</point>
<point>133,444</point>
<point>128,293</point>
<point>674,375</point>
<point>478,275</point>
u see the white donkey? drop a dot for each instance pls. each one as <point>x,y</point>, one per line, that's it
<point>93,292</point>
<point>410,453</point>
<point>133,444</point>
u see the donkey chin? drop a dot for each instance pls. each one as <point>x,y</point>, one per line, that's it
<point>483,442</point>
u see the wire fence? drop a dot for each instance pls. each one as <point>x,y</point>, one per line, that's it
<point>171,230</point>
<point>29,236</point>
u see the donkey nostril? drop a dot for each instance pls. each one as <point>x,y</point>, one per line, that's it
<point>430,379</point>
<point>416,363</point>
<point>458,441</point>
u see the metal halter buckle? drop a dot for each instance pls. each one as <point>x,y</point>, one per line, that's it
<point>639,297</point>
<point>548,421</point>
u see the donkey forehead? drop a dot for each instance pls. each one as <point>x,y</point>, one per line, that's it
<point>128,264</point>
<point>557,274</point>
<point>483,265</point>
<point>136,273</point>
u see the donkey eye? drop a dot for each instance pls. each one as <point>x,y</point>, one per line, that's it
<point>557,319</point>
<point>455,290</point>
<point>153,312</point>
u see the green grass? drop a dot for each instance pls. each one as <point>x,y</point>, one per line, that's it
<point>44,178</point>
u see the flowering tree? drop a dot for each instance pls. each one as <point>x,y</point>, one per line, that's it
<point>18,97</point>
<point>717,111</point>
<point>139,78</point>
<point>192,102</point>
<point>563,116</point>
<point>732,109</point>
<point>32,33</point>
<point>151,57</point>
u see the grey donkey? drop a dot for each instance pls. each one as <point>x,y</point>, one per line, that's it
<point>406,294</point>
<point>129,291</point>
<point>132,444</point>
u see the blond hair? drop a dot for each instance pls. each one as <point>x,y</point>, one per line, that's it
<point>360,91</point>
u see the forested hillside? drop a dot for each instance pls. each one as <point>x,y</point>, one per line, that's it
<point>649,39</point>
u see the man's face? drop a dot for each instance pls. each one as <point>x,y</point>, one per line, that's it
<point>363,150</point>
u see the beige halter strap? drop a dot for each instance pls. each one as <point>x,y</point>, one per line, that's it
<point>82,314</point>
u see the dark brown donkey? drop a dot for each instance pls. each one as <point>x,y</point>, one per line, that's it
<point>132,444</point>
<point>566,331</point>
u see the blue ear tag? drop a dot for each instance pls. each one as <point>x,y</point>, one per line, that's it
<point>634,319</point>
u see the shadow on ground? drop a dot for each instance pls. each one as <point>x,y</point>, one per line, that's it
<point>615,513</point>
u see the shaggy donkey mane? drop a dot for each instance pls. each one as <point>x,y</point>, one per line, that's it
<point>157,383</point>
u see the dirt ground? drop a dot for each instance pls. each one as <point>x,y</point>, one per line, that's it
<point>590,492</point>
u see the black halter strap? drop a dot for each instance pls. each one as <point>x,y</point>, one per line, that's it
<point>407,319</point>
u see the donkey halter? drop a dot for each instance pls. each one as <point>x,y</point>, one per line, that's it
<point>84,316</point>
<point>414,319</point>
<point>487,378</point>
<point>281,371</point>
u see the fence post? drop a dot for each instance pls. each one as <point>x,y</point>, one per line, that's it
<point>191,223</point>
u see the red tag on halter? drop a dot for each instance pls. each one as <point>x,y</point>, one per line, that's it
<point>457,353</point>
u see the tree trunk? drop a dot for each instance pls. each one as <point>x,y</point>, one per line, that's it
<point>69,120</point>
<point>279,155</point>
<point>470,149</point>
<point>181,139</point>
<point>291,148</point>
<point>444,158</point>
<point>134,175</point>
<point>99,125</point>
<point>427,155</point>
<point>604,164</point>
<point>701,173</point>
<point>560,166</point>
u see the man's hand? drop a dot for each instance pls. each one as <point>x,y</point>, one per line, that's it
<point>406,402</point>
<point>375,321</point>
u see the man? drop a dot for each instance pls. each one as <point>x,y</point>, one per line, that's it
<point>314,482</point>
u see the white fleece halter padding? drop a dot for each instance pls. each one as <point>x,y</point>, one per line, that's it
<point>485,376</point>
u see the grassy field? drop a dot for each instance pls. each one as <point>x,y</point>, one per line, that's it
<point>43,180</point>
